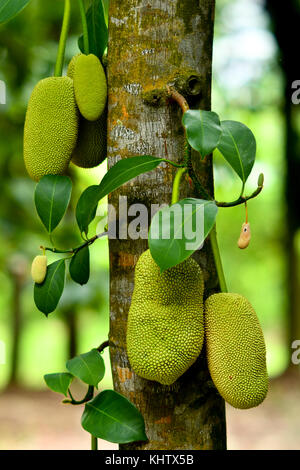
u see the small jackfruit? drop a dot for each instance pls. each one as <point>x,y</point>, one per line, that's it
<point>165,323</point>
<point>91,149</point>
<point>236,351</point>
<point>39,269</point>
<point>245,236</point>
<point>51,127</point>
<point>90,86</point>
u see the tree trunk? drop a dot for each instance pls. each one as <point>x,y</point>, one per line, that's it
<point>151,43</point>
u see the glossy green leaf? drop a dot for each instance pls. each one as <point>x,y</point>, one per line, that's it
<point>52,197</point>
<point>97,29</point>
<point>47,294</point>
<point>238,146</point>
<point>179,230</point>
<point>80,266</point>
<point>88,367</point>
<point>122,172</point>
<point>59,382</point>
<point>203,130</point>
<point>112,417</point>
<point>10,8</point>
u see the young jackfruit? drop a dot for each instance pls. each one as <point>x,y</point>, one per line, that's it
<point>90,150</point>
<point>165,324</point>
<point>51,127</point>
<point>39,269</point>
<point>236,351</point>
<point>90,86</point>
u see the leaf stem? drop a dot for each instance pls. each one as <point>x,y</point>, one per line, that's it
<point>88,396</point>
<point>241,199</point>
<point>88,242</point>
<point>217,258</point>
<point>176,185</point>
<point>102,346</point>
<point>86,45</point>
<point>94,443</point>
<point>63,39</point>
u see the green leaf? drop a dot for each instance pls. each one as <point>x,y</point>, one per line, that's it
<point>105,9</point>
<point>52,197</point>
<point>59,382</point>
<point>97,29</point>
<point>177,231</point>
<point>47,294</point>
<point>80,266</point>
<point>238,147</point>
<point>112,417</point>
<point>203,130</point>
<point>122,172</point>
<point>88,367</point>
<point>10,8</point>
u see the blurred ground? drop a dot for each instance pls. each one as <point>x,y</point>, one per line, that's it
<point>36,421</point>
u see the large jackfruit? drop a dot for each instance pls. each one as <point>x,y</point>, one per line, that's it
<point>90,86</point>
<point>51,127</point>
<point>236,351</point>
<point>165,324</point>
<point>91,150</point>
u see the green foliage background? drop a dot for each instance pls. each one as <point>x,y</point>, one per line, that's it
<point>27,53</point>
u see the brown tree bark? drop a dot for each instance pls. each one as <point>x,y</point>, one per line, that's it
<point>150,43</point>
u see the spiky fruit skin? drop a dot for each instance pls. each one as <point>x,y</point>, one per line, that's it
<point>51,127</point>
<point>91,149</point>
<point>236,351</point>
<point>90,86</point>
<point>39,269</point>
<point>165,324</point>
<point>71,66</point>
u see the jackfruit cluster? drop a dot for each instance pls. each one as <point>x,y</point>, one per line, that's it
<point>165,324</point>
<point>165,332</point>
<point>236,351</point>
<point>56,128</point>
<point>51,127</point>
<point>39,269</point>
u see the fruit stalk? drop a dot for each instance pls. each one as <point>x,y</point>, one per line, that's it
<point>63,39</point>
<point>86,45</point>
<point>217,258</point>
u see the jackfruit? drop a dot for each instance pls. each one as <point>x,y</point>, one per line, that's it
<point>90,86</point>
<point>165,328</point>
<point>91,150</point>
<point>51,127</point>
<point>236,351</point>
<point>39,269</point>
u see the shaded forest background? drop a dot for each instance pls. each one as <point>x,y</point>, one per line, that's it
<point>254,67</point>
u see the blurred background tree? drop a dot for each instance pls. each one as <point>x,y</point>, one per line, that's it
<point>254,66</point>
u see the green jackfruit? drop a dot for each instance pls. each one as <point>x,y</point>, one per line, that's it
<point>90,86</point>
<point>91,150</point>
<point>39,269</point>
<point>236,351</point>
<point>51,127</point>
<point>165,323</point>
